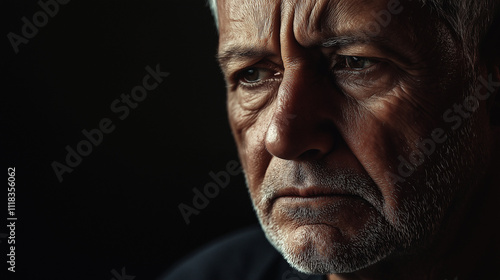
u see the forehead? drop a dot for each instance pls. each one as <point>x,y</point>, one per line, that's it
<point>253,21</point>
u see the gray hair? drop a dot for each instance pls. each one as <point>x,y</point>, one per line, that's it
<point>469,20</point>
<point>213,7</point>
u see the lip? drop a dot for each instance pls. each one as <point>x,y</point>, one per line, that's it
<point>310,192</point>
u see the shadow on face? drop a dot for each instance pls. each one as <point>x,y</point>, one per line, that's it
<point>354,123</point>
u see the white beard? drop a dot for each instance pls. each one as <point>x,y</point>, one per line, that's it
<point>314,249</point>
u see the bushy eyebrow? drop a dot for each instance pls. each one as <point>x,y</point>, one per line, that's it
<point>234,54</point>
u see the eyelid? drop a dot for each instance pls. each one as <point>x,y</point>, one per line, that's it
<point>339,58</point>
<point>376,79</point>
<point>258,83</point>
<point>381,54</point>
<point>235,77</point>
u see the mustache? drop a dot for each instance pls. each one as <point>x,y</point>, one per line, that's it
<point>296,176</point>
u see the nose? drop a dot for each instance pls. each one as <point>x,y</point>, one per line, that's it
<point>302,126</point>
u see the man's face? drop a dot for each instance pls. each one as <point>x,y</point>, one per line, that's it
<point>329,102</point>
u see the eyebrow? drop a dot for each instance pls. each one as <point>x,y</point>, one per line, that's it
<point>384,44</point>
<point>347,40</point>
<point>240,53</point>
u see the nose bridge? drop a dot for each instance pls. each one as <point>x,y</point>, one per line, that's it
<point>300,122</point>
<point>304,82</point>
<point>300,126</point>
<point>301,65</point>
<point>300,89</point>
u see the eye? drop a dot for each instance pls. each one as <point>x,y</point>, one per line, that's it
<point>255,76</point>
<point>363,77</point>
<point>355,63</point>
<point>251,75</point>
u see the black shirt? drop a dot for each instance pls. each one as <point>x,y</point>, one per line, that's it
<point>246,255</point>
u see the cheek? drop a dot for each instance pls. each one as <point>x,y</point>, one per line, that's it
<point>249,130</point>
<point>255,156</point>
<point>385,130</point>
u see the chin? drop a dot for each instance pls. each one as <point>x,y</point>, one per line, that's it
<point>322,248</point>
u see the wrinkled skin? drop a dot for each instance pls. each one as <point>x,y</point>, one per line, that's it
<point>323,106</point>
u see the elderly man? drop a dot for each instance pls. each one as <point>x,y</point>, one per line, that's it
<point>368,132</point>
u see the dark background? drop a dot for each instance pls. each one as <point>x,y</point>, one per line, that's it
<point>119,207</point>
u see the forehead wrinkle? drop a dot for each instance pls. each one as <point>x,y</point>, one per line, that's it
<point>313,20</point>
<point>245,13</point>
<point>247,25</point>
<point>320,12</point>
<point>271,23</point>
<point>307,14</point>
<point>344,15</point>
<point>324,14</point>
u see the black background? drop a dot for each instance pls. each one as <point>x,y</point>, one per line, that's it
<point>119,207</point>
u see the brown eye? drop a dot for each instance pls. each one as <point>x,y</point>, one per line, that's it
<point>251,75</point>
<point>355,63</point>
<point>255,75</point>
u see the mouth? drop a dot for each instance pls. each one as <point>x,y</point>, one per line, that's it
<point>317,205</point>
<point>311,194</point>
